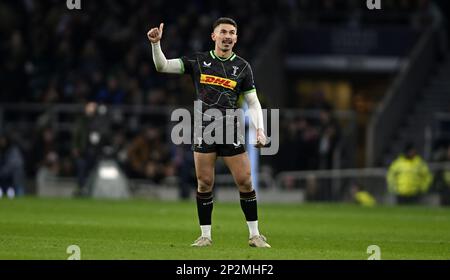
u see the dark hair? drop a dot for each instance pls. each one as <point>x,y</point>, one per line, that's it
<point>224,20</point>
<point>408,147</point>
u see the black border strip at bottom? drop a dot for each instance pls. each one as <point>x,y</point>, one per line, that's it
<point>199,269</point>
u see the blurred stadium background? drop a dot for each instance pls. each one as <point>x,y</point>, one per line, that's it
<point>89,116</point>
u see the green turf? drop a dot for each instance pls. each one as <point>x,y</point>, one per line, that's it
<point>138,229</point>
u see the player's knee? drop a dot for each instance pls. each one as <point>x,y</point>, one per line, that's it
<point>204,188</point>
<point>246,188</point>
<point>244,183</point>
<point>205,183</point>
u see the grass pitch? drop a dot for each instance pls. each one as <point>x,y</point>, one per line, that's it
<point>32,228</point>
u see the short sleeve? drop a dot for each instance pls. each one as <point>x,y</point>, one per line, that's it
<point>248,83</point>
<point>187,64</point>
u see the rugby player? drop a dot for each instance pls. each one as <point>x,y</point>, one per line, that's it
<point>220,76</point>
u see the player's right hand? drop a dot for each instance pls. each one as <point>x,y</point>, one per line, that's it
<point>155,34</point>
<point>260,138</point>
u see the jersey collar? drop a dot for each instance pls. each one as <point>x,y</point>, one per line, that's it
<point>231,58</point>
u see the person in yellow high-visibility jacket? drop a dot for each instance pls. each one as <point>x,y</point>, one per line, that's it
<point>409,177</point>
<point>361,196</point>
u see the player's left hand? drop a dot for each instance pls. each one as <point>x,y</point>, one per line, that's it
<point>260,138</point>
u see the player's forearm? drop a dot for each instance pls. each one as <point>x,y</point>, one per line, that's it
<point>255,110</point>
<point>162,64</point>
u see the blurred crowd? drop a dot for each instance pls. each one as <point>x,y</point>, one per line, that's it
<point>101,53</point>
<point>100,56</point>
<point>309,141</point>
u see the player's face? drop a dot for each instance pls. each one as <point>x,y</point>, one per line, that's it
<point>225,36</point>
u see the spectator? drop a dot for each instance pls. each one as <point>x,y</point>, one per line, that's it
<point>49,168</point>
<point>361,196</point>
<point>91,133</point>
<point>408,176</point>
<point>48,149</point>
<point>12,169</point>
<point>148,157</point>
<point>329,137</point>
<point>292,146</point>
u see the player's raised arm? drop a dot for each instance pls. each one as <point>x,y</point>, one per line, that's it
<point>161,63</point>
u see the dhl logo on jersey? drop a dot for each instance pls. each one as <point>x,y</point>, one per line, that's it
<point>217,81</point>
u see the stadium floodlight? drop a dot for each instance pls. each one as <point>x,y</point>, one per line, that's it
<point>109,181</point>
<point>108,172</point>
